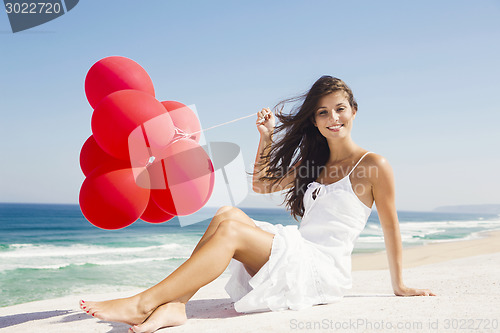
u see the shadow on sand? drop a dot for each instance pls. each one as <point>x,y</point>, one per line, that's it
<point>203,309</point>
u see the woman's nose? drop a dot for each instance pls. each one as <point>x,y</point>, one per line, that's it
<point>334,116</point>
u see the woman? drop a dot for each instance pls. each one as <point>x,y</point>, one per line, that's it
<point>331,183</point>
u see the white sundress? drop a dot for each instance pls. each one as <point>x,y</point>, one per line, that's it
<point>309,264</point>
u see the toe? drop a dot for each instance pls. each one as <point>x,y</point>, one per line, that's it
<point>89,311</point>
<point>144,328</point>
<point>135,329</point>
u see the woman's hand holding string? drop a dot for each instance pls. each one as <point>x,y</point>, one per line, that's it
<point>265,123</point>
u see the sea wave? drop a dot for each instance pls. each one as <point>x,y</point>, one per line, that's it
<point>53,257</point>
<point>423,232</point>
<point>43,250</point>
<point>35,266</point>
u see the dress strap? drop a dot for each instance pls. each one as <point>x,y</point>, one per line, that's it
<point>358,163</point>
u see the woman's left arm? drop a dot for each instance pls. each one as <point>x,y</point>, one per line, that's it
<point>384,195</point>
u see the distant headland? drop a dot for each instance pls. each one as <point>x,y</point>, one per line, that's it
<point>471,209</point>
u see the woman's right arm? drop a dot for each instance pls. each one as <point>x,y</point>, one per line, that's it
<point>266,129</point>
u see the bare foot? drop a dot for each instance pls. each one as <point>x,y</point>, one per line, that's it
<point>169,314</point>
<point>125,310</point>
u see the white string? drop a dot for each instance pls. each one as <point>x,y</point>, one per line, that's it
<point>227,122</point>
<point>180,134</point>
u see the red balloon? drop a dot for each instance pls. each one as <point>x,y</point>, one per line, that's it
<point>115,73</point>
<point>121,112</point>
<point>112,200</point>
<point>182,182</point>
<point>159,187</point>
<point>154,214</point>
<point>184,118</point>
<point>92,156</point>
<point>156,136</point>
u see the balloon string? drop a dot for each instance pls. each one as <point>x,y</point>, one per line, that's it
<point>180,134</point>
<point>227,122</point>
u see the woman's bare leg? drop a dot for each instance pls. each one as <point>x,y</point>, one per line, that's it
<point>231,239</point>
<point>174,313</point>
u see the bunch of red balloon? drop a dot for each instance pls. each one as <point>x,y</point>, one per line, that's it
<point>143,159</point>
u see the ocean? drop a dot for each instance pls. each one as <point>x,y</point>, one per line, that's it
<point>49,251</point>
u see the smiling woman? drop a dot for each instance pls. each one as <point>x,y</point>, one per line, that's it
<point>276,267</point>
<point>329,106</point>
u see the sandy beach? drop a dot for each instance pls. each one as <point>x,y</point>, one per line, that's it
<point>463,274</point>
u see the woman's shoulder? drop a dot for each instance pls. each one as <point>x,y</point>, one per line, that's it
<point>374,165</point>
<point>374,159</point>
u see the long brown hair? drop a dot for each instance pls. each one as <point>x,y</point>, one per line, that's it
<point>300,140</point>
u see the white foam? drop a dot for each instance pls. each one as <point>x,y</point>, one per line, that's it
<point>90,262</point>
<point>34,250</point>
<point>418,232</point>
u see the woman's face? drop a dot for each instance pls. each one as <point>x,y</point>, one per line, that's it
<point>334,116</point>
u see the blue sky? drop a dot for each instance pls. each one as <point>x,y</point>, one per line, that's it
<point>425,75</point>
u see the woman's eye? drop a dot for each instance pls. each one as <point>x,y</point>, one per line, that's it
<point>341,109</point>
<point>323,112</point>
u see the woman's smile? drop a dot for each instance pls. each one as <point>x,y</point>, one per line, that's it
<point>335,128</point>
